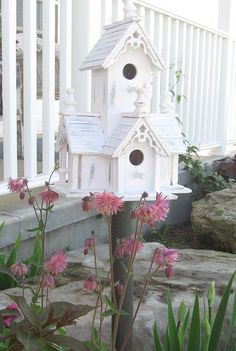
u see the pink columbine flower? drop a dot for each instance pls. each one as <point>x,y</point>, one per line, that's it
<point>165,257</point>
<point>7,320</point>
<point>19,269</point>
<point>163,206</point>
<point>147,214</point>
<point>107,203</point>
<point>127,246</point>
<point>56,264</point>
<point>129,243</point>
<point>16,185</point>
<point>87,203</point>
<point>90,284</point>
<point>169,272</point>
<point>49,196</point>
<point>48,281</point>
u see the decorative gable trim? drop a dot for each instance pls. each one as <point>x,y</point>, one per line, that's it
<point>143,133</point>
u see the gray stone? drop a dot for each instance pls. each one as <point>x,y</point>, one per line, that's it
<point>194,270</point>
<point>214,220</point>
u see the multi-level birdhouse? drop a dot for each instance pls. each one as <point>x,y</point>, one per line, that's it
<point>121,146</point>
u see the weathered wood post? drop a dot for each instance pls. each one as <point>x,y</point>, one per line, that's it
<point>122,226</point>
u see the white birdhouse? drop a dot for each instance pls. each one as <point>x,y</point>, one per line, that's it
<point>121,146</point>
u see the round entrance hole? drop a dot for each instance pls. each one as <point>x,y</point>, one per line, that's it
<point>129,71</point>
<point>136,157</point>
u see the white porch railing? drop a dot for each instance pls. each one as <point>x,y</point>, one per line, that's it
<point>207,59</point>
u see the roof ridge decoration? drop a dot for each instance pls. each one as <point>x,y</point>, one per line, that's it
<point>142,131</point>
<point>125,33</point>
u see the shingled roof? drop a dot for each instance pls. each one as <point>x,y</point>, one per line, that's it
<point>113,42</point>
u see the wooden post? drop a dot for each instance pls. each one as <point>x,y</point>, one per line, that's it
<point>122,226</point>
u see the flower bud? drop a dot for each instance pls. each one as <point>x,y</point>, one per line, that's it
<point>22,195</point>
<point>120,289</point>
<point>169,272</point>
<point>31,201</point>
<point>86,251</point>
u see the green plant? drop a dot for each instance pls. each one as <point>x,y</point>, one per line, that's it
<point>41,331</point>
<point>203,331</point>
<point>6,260</point>
<point>159,235</point>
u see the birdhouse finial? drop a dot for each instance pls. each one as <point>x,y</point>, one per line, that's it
<point>141,104</point>
<point>129,9</point>
<point>70,102</point>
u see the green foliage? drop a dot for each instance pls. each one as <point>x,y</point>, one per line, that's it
<point>7,279</point>
<point>41,331</point>
<point>208,180</point>
<point>36,258</point>
<point>159,235</point>
<point>204,332</point>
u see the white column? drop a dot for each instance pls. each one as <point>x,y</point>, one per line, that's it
<point>48,85</point>
<point>65,48</point>
<point>9,87</point>
<point>30,145</point>
<point>227,23</point>
<point>86,30</point>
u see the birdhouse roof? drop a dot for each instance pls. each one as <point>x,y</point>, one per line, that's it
<point>162,132</point>
<point>84,134</point>
<point>114,41</point>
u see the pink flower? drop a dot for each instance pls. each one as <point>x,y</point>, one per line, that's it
<point>19,269</point>
<point>163,205</point>
<point>87,203</point>
<point>56,264</point>
<point>129,243</point>
<point>89,243</point>
<point>127,246</point>
<point>7,320</point>
<point>169,272</point>
<point>16,185</point>
<point>165,257</point>
<point>147,214</point>
<point>119,250</point>
<point>49,196</point>
<point>48,281</point>
<point>108,203</point>
<point>90,284</point>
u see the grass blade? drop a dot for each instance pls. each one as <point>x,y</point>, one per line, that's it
<point>157,342</point>
<point>194,340</point>
<point>172,328</point>
<point>220,316</point>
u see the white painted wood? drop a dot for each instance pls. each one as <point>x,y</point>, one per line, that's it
<point>9,87</point>
<point>201,82</point>
<point>65,47</point>
<point>194,84</point>
<point>158,42</point>
<point>166,53</point>
<point>207,67</point>
<point>187,121</point>
<point>48,85</point>
<point>29,84</point>
<point>174,64</point>
<point>181,62</point>
<point>174,170</point>
<point>157,173</point>
<point>211,95</point>
<point>215,133</point>
<point>106,13</point>
<point>74,173</point>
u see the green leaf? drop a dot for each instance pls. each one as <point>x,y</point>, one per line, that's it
<point>36,229</point>
<point>30,342</point>
<point>194,340</point>
<point>2,226</point>
<point>36,257</point>
<point>5,270</point>
<point>108,302</point>
<point>182,329</point>
<point>182,311</point>
<point>27,311</point>
<point>108,313</point>
<point>233,317</point>
<point>172,329</point>
<point>122,313</point>
<point>66,341</point>
<point>167,341</point>
<point>157,342</point>
<point>220,316</point>
<point>12,258</point>
<point>59,309</point>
